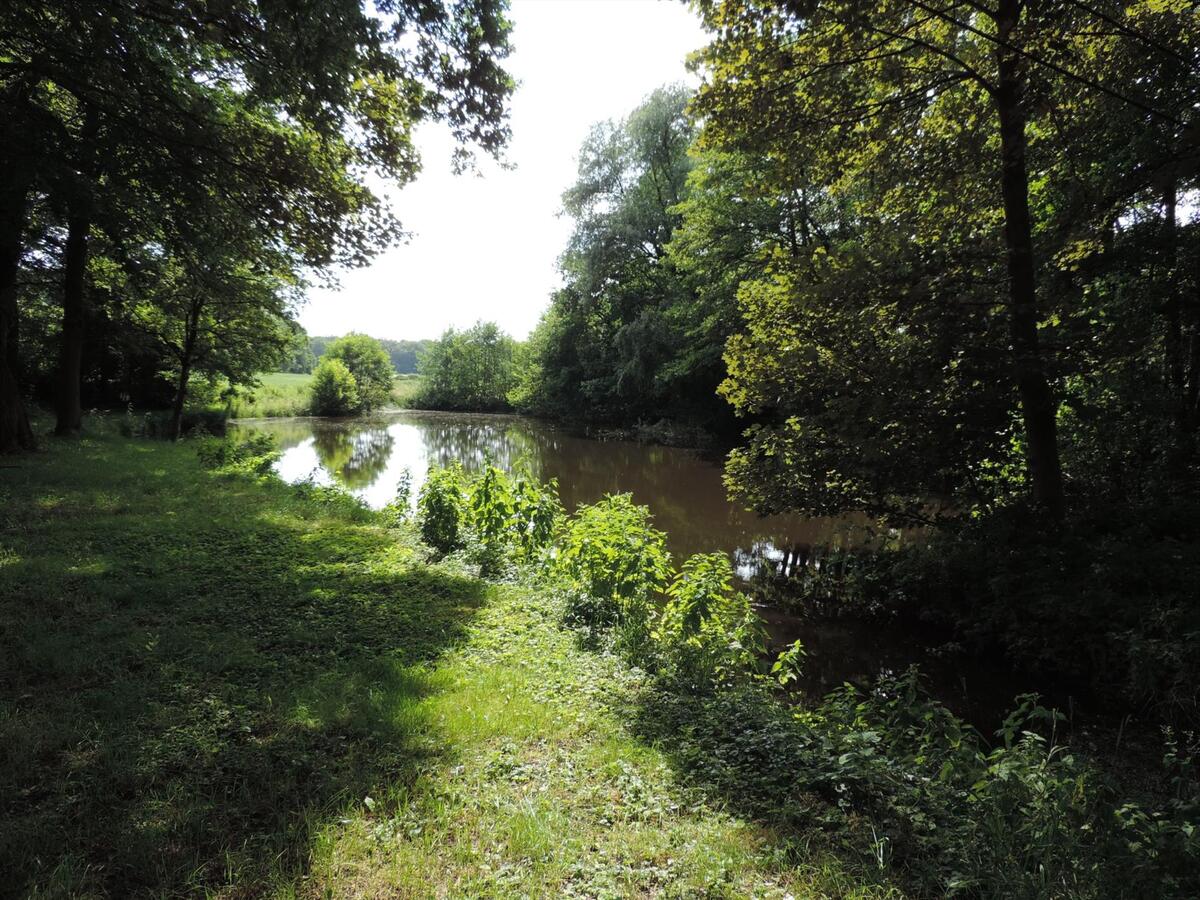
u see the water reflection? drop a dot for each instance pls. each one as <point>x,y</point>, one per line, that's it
<point>683,491</point>
<point>355,458</point>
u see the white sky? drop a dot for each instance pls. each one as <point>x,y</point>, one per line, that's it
<point>485,245</point>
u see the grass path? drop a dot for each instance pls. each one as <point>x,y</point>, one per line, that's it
<point>222,685</point>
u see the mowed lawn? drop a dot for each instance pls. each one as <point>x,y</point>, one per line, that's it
<point>217,684</point>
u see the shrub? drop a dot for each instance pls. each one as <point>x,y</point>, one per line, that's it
<point>157,423</point>
<point>708,633</point>
<point>370,365</point>
<point>537,514</point>
<point>398,509</point>
<point>1107,598</point>
<point>614,565</point>
<point>443,509</point>
<point>491,506</point>
<point>334,389</point>
<point>256,454</point>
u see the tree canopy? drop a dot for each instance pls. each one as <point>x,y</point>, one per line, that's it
<point>129,128</point>
<point>471,369</point>
<point>368,364</point>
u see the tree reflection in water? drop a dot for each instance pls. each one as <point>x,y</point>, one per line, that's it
<point>354,455</point>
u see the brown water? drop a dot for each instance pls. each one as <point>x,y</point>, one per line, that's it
<point>686,496</point>
<point>683,490</point>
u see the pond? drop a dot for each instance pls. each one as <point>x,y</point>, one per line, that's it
<point>683,491</point>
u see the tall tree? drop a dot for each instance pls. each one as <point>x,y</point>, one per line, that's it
<point>285,108</point>
<point>608,350</point>
<point>935,115</point>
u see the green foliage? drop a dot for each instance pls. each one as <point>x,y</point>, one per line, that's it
<point>625,340</point>
<point>614,566</point>
<point>492,509</point>
<point>158,424</point>
<point>255,455</point>
<point>497,519</point>
<point>334,389</point>
<point>442,504</point>
<point>273,394</point>
<point>298,358</point>
<point>788,665</point>
<point>182,171</point>
<point>707,632</point>
<point>370,723</point>
<point>874,356</point>
<point>537,514</point>
<point>399,508</point>
<point>1062,599</point>
<point>919,796</point>
<point>403,354</point>
<point>468,370</point>
<point>370,365</point>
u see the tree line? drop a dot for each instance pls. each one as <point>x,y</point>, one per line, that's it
<point>173,173</point>
<point>303,352</point>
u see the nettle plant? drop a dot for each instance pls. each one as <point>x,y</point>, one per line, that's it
<point>492,507</point>
<point>491,516</point>
<point>708,633</point>
<point>442,508</point>
<point>614,565</point>
<point>255,455</point>
<point>537,514</point>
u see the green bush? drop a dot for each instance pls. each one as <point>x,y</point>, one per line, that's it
<point>399,508</point>
<point>370,365</point>
<point>442,507</point>
<point>708,633</point>
<point>334,389</point>
<point>1106,599</point>
<point>537,514</point>
<point>614,566</point>
<point>157,423</point>
<point>256,454</point>
<point>492,508</point>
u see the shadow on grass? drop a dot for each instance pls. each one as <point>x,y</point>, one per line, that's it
<point>199,674</point>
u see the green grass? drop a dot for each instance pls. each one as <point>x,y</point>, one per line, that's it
<point>282,394</point>
<point>219,684</point>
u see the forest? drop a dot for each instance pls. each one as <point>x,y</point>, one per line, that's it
<point>932,268</point>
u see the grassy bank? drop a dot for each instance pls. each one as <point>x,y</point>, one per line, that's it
<point>214,683</point>
<point>218,683</point>
<point>286,394</point>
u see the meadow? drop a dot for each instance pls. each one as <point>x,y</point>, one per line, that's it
<point>281,394</point>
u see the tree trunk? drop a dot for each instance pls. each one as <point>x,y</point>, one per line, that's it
<point>1173,307</point>
<point>176,427</point>
<point>15,433</point>
<point>185,369</point>
<point>1038,406</point>
<point>70,370</point>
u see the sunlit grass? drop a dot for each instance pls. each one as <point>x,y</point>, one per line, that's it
<point>282,394</point>
<point>221,685</point>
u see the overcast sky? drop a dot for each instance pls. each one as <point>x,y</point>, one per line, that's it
<point>485,246</point>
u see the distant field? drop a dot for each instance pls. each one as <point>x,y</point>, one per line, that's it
<point>405,389</point>
<point>286,394</point>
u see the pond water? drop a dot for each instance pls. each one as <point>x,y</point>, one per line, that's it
<point>685,494</point>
